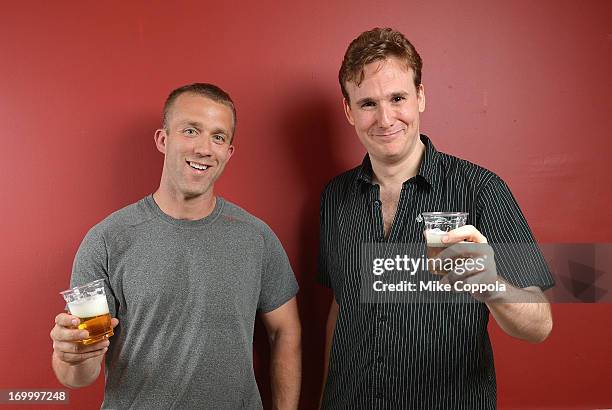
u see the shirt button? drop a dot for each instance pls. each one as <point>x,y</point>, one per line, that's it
<point>377,203</point>
<point>383,319</point>
<point>378,395</point>
<point>380,359</point>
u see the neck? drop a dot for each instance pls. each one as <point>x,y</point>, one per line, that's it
<point>180,207</point>
<point>396,172</point>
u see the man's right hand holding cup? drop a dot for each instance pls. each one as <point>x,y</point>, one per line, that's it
<point>66,338</point>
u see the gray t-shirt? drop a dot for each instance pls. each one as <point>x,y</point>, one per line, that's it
<point>186,294</point>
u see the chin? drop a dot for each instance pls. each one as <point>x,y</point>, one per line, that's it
<point>387,155</point>
<point>193,193</point>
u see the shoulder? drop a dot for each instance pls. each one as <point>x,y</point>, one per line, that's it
<point>122,219</point>
<point>340,185</point>
<point>244,220</point>
<point>466,174</point>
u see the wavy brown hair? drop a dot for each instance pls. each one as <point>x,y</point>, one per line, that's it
<point>374,45</point>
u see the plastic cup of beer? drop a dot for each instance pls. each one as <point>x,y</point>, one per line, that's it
<point>437,224</point>
<point>88,303</point>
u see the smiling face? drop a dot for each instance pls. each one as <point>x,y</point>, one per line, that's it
<point>196,145</point>
<point>385,109</point>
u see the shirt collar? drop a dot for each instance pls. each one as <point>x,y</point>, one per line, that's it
<point>428,170</point>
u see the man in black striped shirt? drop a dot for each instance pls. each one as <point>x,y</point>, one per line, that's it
<point>397,355</point>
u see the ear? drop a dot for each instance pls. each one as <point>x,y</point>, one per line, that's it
<point>421,97</point>
<point>160,138</point>
<point>348,112</point>
<point>230,151</point>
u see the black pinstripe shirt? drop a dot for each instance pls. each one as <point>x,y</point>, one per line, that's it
<point>415,356</point>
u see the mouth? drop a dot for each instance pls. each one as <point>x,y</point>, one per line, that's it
<point>197,165</point>
<point>387,134</point>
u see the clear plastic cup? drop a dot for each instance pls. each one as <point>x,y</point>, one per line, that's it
<point>437,224</point>
<point>88,303</point>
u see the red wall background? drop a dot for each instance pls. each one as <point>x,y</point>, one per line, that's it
<point>520,87</point>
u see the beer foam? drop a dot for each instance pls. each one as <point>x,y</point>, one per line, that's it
<point>434,236</point>
<point>89,307</point>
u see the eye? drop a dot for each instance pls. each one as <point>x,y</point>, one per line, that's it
<point>219,138</point>
<point>398,98</point>
<point>368,104</point>
<point>190,132</point>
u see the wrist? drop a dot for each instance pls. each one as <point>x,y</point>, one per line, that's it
<point>495,291</point>
<point>57,358</point>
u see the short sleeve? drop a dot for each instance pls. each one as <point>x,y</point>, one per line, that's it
<point>517,255</point>
<point>324,252</point>
<point>91,263</point>
<point>278,284</point>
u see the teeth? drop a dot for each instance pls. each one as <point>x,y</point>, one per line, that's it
<point>198,166</point>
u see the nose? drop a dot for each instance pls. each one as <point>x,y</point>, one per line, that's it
<point>202,146</point>
<point>385,116</point>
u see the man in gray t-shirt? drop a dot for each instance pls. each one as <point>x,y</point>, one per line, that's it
<point>185,274</point>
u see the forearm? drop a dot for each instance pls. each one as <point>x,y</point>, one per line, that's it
<point>286,369</point>
<point>328,344</point>
<point>329,336</point>
<point>76,375</point>
<point>522,313</point>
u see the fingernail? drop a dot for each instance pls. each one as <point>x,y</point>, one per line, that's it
<point>83,335</point>
<point>445,238</point>
<point>75,321</point>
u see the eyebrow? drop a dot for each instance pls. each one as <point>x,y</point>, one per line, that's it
<point>194,124</point>
<point>220,131</point>
<point>200,126</point>
<point>388,96</point>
